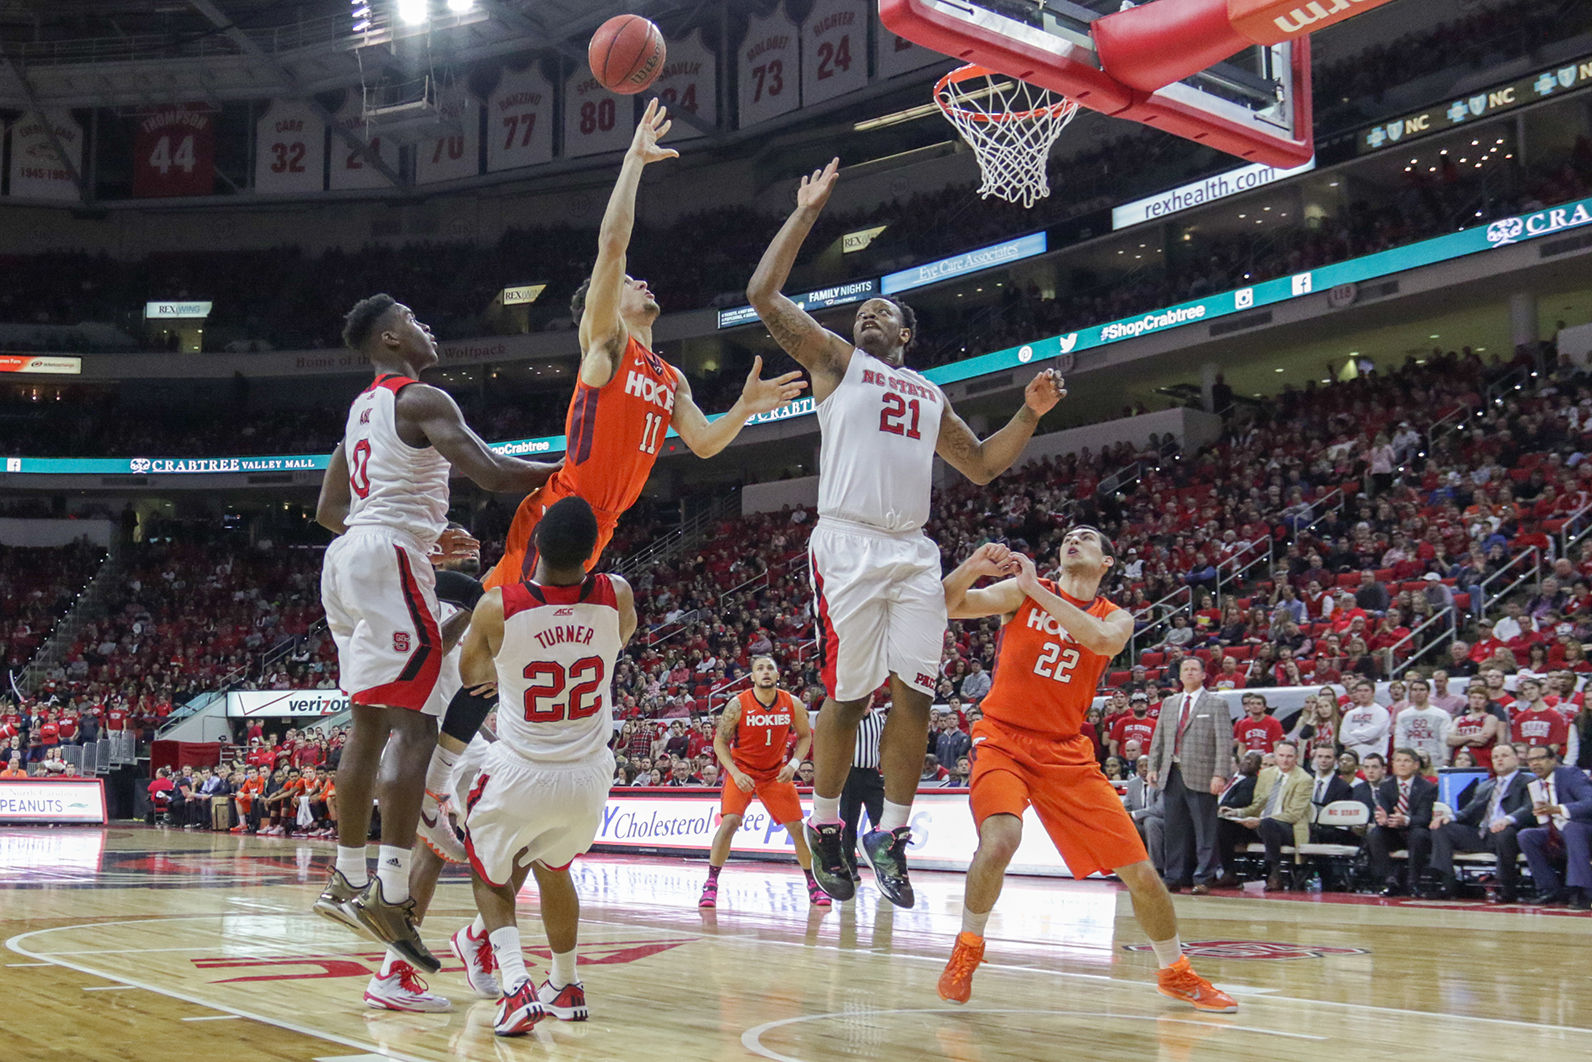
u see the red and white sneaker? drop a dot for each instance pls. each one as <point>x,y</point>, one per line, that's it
<point>480,962</point>
<point>565,1004</point>
<point>519,1011</point>
<point>402,989</point>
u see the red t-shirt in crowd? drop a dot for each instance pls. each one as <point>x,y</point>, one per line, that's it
<point>1544,727</point>
<point>49,734</point>
<point>1128,728</point>
<point>116,719</point>
<point>1257,735</point>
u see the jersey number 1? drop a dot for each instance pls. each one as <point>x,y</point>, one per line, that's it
<point>652,434</point>
<point>544,700</point>
<point>893,417</point>
<point>1056,663</point>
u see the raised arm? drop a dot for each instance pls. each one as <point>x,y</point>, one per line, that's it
<point>436,416</point>
<point>331,508</point>
<point>1002,599</point>
<point>602,331</point>
<point>626,599</point>
<point>983,461</point>
<point>818,350</point>
<point>1105,636</point>
<point>482,641</point>
<point>706,438</point>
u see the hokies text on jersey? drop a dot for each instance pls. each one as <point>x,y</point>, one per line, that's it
<point>767,719</point>
<point>644,387</point>
<point>1040,620</point>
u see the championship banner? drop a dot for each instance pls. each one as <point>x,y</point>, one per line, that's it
<point>350,169</point>
<point>37,171</point>
<point>51,364</point>
<point>174,152</point>
<point>768,68</point>
<point>519,120</point>
<point>595,120</point>
<point>448,158</point>
<point>289,149</point>
<point>689,84</point>
<point>834,50</point>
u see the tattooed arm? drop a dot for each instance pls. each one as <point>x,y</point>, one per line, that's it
<point>818,350</point>
<point>983,461</point>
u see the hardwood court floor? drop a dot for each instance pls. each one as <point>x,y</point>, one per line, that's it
<point>136,944</point>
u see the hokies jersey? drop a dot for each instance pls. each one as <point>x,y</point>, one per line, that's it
<point>554,668</point>
<point>763,732</point>
<point>1044,681</point>
<point>614,432</point>
<point>878,432</point>
<point>392,484</point>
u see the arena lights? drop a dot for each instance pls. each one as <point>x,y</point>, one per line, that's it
<point>460,7</point>
<point>413,12</point>
<point>359,11</point>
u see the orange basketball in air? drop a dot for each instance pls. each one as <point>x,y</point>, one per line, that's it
<point>626,54</point>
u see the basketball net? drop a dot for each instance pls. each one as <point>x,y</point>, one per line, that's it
<point>1010,125</point>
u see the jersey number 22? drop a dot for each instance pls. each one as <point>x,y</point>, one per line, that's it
<point>1056,663</point>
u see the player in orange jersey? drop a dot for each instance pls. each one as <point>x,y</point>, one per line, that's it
<point>750,743</point>
<point>1029,750</point>
<point>626,398</point>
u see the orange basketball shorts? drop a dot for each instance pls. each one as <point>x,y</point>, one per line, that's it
<point>1059,778</point>
<point>780,798</point>
<point>519,551</point>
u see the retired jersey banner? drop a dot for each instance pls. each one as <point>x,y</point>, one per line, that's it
<point>896,55</point>
<point>834,50</point>
<point>350,168</point>
<point>519,120</point>
<point>595,120</point>
<point>289,149</point>
<point>689,84</point>
<point>769,69</point>
<point>174,152</point>
<point>455,154</point>
<point>37,169</point>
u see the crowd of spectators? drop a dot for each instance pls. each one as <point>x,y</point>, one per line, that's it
<point>268,786</point>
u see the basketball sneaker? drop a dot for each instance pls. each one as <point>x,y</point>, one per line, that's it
<point>402,989</point>
<point>480,963</point>
<point>887,851</point>
<point>815,895</point>
<point>956,980</point>
<point>1179,981</point>
<point>333,902</point>
<point>829,860</point>
<point>436,830</point>
<point>519,1011</point>
<point>392,924</point>
<point>710,894</point>
<point>565,1004</point>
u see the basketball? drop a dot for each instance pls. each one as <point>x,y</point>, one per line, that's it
<point>626,54</point>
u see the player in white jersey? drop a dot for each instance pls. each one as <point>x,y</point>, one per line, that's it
<point>385,494</point>
<point>550,643</point>
<point>876,576</point>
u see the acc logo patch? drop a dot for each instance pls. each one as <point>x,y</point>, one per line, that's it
<point>1254,949</point>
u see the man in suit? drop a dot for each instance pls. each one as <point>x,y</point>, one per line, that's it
<point>1374,768</point>
<point>1230,836</point>
<point>1146,806</point>
<point>1489,822</point>
<point>1190,756</point>
<point>1561,799</point>
<point>1403,818</point>
<point>1280,811</point>
<point>1326,786</point>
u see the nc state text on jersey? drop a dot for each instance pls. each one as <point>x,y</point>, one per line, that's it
<point>895,383</point>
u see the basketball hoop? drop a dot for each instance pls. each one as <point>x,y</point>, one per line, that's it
<point>1009,124</point>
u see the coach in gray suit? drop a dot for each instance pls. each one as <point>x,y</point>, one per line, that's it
<point>1190,755</point>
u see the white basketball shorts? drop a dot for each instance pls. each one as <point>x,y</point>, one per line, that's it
<point>465,770</point>
<point>522,812</point>
<point>379,592</point>
<point>881,609</point>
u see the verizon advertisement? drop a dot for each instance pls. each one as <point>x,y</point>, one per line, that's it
<point>248,703</point>
<point>943,836</point>
<point>68,800</point>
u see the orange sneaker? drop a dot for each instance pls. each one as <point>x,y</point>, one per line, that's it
<point>956,982</point>
<point>1179,981</point>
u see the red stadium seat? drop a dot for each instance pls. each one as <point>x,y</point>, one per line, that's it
<point>1152,660</point>
<point>1348,579</point>
<point>1241,652</point>
<point>1118,679</point>
<point>1384,575</point>
<point>1462,601</point>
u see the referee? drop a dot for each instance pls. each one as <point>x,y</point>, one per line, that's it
<point>864,785</point>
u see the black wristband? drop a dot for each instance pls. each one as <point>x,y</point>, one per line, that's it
<point>457,588</point>
<point>466,713</point>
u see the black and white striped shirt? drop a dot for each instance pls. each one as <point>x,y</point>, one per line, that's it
<point>869,730</point>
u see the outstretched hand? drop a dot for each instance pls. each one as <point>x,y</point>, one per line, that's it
<point>454,544</point>
<point>765,396</point>
<point>992,559</point>
<point>654,124</point>
<point>1044,391</point>
<point>814,190</point>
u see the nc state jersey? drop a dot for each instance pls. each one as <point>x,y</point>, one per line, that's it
<point>554,669</point>
<point>878,430</point>
<point>614,431</point>
<point>763,731</point>
<point>392,484</point>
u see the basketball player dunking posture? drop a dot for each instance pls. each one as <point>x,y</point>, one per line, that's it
<point>550,644</point>
<point>876,576</point>
<point>1029,750</point>
<point>626,398</point>
<point>386,496</point>
<point>759,722</point>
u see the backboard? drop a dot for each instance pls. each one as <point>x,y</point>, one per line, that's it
<point>1177,65</point>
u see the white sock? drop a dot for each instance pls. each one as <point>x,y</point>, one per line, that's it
<point>440,772</point>
<point>563,969</point>
<point>387,961</point>
<point>478,927</point>
<point>973,922</point>
<point>895,815</point>
<point>1167,952</point>
<point>392,870</point>
<point>351,863</point>
<point>826,809</point>
<point>510,960</point>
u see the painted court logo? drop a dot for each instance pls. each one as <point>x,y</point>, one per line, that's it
<point>1254,949</point>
